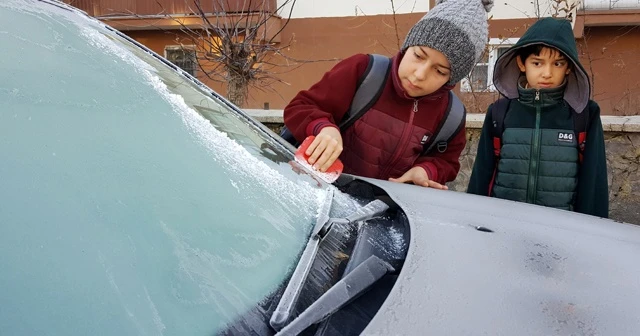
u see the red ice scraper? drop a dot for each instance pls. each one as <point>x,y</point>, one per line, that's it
<point>330,175</point>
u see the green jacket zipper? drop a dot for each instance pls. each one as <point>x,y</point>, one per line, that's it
<point>534,163</point>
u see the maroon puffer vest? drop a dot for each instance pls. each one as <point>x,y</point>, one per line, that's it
<point>388,139</point>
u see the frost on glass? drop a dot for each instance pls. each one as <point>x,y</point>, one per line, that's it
<point>119,200</point>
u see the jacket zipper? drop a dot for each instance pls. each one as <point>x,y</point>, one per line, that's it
<point>402,143</point>
<point>534,163</point>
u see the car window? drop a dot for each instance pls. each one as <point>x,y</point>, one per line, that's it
<point>132,201</point>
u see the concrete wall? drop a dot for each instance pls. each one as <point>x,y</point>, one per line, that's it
<point>611,56</point>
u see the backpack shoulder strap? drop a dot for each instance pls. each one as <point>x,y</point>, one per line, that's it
<point>450,125</point>
<point>581,120</point>
<point>581,123</point>
<point>498,113</point>
<point>370,87</point>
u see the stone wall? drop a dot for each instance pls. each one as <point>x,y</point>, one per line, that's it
<point>622,137</point>
<point>623,160</point>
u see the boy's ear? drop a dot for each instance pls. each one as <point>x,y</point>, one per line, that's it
<point>520,63</point>
<point>569,68</point>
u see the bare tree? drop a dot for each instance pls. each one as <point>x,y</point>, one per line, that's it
<point>239,43</point>
<point>565,9</point>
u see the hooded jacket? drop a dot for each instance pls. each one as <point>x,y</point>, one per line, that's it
<point>537,165</point>
<point>386,141</point>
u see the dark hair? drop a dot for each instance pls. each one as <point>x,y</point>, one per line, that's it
<point>536,49</point>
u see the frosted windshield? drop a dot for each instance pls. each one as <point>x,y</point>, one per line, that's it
<point>122,209</point>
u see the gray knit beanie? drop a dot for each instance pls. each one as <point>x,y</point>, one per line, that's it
<point>456,28</point>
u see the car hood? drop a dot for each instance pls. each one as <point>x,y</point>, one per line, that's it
<point>539,271</point>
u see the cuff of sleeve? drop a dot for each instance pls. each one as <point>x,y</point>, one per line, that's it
<point>430,168</point>
<point>314,127</point>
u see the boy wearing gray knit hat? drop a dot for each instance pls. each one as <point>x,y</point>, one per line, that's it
<point>387,141</point>
<point>457,29</point>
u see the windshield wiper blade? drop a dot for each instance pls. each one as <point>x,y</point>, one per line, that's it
<point>289,299</point>
<point>290,295</point>
<point>343,292</point>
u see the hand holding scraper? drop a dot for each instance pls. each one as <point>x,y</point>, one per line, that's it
<point>330,175</point>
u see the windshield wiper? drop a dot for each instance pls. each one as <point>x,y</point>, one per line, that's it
<point>340,294</point>
<point>289,299</point>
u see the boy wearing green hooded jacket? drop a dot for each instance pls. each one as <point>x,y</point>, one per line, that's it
<point>539,158</point>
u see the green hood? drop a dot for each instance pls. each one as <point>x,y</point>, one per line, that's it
<point>551,32</point>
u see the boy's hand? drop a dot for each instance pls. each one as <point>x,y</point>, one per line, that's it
<point>418,176</point>
<point>325,148</point>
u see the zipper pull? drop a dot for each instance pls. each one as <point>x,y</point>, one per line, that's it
<point>537,95</point>
<point>415,106</point>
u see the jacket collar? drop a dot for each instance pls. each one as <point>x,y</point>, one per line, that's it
<point>547,97</point>
<point>397,84</point>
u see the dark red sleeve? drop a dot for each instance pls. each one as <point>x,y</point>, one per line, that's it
<point>326,102</point>
<point>444,167</point>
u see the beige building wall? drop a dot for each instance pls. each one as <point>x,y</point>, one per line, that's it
<point>321,33</point>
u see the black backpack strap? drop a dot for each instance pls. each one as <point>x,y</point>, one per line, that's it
<point>581,123</point>
<point>370,87</point>
<point>498,113</point>
<point>450,125</point>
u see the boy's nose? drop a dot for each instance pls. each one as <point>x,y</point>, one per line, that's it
<point>546,72</point>
<point>421,73</point>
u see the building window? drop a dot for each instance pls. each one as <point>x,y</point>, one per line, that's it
<point>481,77</point>
<point>478,78</point>
<point>182,56</point>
